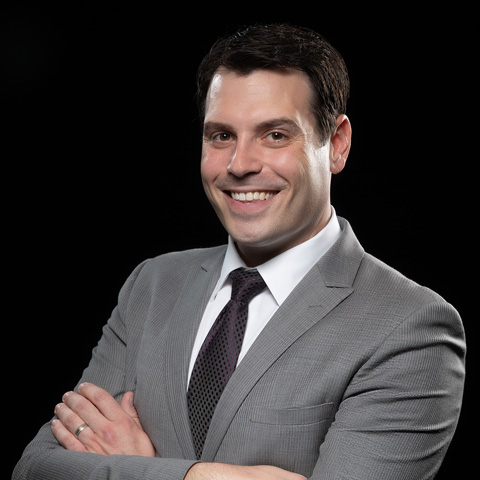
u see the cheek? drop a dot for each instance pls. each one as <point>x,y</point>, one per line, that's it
<point>309,178</point>
<point>317,168</point>
<point>208,168</point>
<point>284,164</point>
<point>295,168</point>
<point>212,165</point>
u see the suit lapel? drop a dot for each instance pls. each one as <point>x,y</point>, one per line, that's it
<point>322,289</point>
<point>187,314</point>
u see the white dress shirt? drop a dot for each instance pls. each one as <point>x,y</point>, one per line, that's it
<point>281,274</point>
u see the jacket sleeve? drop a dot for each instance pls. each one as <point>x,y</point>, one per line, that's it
<point>401,409</point>
<point>45,459</point>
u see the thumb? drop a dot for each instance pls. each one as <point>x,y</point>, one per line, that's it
<point>127,405</point>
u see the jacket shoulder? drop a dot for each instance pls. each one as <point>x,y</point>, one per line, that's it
<point>170,269</point>
<point>377,275</point>
<point>185,258</point>
<point>383,288</point>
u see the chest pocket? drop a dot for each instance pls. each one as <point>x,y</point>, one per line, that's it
<point>293,416</point>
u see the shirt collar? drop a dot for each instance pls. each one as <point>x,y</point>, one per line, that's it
<point>283,272</point>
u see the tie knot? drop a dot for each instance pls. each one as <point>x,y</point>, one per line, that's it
<point>246,284</point>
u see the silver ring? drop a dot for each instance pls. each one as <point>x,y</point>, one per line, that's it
<point>80,429</point>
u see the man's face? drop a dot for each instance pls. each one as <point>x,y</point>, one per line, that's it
<point>263,168</point>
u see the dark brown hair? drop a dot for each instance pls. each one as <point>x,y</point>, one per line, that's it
<point>281,46</point>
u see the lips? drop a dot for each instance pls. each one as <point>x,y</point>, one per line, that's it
<point>251,196</point>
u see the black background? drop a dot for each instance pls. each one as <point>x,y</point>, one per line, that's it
<point>100,160</point>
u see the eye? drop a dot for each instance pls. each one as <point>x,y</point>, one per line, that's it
<point>276,136</point>
<point>222,137</point>
<point>277,139</point>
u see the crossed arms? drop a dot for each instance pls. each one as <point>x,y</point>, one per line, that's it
<point>115,429</point>
<point>386,425</point>
<point>115,446</point>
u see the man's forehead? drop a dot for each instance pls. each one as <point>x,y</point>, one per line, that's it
<point>264,94</point>
<point>223,74</point>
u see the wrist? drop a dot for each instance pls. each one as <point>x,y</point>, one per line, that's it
<point>208,471</point>
<point>195,472</point>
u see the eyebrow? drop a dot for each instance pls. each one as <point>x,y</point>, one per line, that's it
<point>265,125</point>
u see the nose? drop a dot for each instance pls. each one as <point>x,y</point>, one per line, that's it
<point>245,159</point>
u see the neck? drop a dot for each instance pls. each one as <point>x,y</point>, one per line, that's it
<point>255,255</point>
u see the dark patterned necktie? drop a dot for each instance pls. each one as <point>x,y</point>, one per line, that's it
<point>218,355</point>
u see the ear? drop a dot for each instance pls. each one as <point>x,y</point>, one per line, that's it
<point>340,143</point>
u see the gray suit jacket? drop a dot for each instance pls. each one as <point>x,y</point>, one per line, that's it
<point>359,375</point>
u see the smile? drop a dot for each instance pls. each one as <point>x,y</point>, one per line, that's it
<point>250,196</point>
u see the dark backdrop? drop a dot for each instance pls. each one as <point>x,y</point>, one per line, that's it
<point>100,158</point>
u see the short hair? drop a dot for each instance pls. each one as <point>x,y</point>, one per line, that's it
<point>278,47</point>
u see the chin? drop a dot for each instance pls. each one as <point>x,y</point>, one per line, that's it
<point>253,242</point>
<point>250,235</point>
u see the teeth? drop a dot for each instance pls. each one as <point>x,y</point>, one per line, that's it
<point>249,196</point>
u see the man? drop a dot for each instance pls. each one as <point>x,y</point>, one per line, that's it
<point>345,368</point>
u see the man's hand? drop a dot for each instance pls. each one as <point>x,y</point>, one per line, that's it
<point>221,471</point>
<point>111,429</point>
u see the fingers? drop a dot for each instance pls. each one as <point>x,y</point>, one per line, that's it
<point>94,404</point>
<point>67,430</point>
<point>66,438</point>
<point>95,407</point>
<point>76,410</point>
<point>102,400</point>
<point>112,428</point>
<point>64,428</point>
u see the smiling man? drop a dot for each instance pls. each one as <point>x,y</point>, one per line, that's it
<point>265,167</point>
<point>289,353</point>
